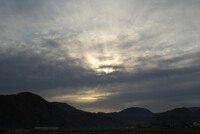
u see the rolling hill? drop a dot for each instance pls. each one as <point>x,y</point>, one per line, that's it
<point>133,116</point>
<point>27,110</point>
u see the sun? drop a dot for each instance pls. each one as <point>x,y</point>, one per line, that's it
<point>98,50</point>
<point>106,70</point>
<point>103,64</point>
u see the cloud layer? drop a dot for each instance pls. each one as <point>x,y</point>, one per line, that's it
<point>102,55</point>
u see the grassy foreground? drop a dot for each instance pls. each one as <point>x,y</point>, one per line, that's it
<point>104,131</point>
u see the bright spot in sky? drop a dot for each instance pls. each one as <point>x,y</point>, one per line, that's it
<point>108,70</point>
<point>88,96</point>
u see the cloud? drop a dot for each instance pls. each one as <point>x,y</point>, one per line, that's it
<point>136,52</point>
<point>157,89</point>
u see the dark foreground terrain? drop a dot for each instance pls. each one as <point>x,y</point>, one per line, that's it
<point>103,131</point>
<point>28,110</point>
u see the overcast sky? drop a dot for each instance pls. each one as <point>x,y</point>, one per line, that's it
<point>102,55</point>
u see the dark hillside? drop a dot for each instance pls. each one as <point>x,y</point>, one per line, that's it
<point>25,110</point>
<point>178,117</point>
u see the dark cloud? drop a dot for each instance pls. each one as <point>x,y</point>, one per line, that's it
<point>21,5</point>
<point>52,43</point>
<point>158,89</point>
<point>58,47</point>
<point>28,71</point>
<point>111,66</point>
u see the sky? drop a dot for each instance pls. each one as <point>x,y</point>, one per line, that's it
<point>102,55</point>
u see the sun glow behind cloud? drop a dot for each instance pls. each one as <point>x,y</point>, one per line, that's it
<point>49,45</point>
<point>85,96</point>
<point>111,34</point>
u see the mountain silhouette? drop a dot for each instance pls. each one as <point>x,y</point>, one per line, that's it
<point>65,106</point>
<point>193,109</point>
<point>136,111</point>
<point>174,118</point>
<point>28,110</point>
<point>133,116</point>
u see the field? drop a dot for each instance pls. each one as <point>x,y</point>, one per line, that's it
<point>105,131</point>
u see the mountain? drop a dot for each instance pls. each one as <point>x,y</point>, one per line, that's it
<point>65,106</point>
<point>196,115</point>
<point>28,110</point>
<point>174,118</point>
<point>134,116</point>
<point>136,111</point>
<point>198,112</point>
<point>193,109</point>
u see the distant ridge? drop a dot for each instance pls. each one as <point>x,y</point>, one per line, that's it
<point>28,110</point>
<point>136,111</point>
<point>133,115</point>
<point>194,109</point>
<point>178,117</point>
<point>65,106</point>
